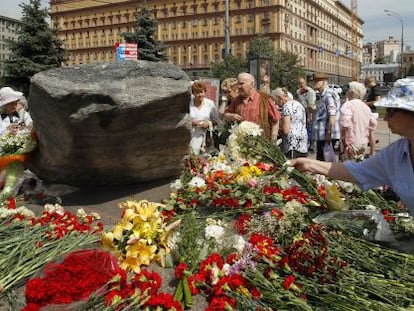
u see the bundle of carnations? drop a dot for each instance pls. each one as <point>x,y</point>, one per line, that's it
<point>278,259</point>
<point>93,280</point>
<point>28,242</point>
<point>15,145</point>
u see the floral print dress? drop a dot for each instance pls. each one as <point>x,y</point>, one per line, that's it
<point>297,139</point>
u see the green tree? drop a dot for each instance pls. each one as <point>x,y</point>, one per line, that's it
<point>37,48</point>
<point>230,67</point>
<point>148,47</point>
<point>284,69</point>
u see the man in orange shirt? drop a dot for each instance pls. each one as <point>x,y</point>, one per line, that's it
<point>254,106</point>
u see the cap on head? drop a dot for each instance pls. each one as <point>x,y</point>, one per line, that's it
<point>320,76</point>
<point>401,95</point>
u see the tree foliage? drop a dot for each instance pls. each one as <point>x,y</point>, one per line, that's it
<point>37,48</point>
<point>285,67</point>
<point>230,67</point>
<point>148,47</point>
<point>286,70</point>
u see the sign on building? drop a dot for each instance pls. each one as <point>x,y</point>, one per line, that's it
<point>126,51</point>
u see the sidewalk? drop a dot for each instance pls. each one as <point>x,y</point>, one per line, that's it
<point>384,135</point>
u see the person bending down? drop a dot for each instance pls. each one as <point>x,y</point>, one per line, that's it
<point>393,165</point>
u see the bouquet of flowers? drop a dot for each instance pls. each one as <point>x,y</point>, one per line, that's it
<point>141,235</point>
<point>14,147</point>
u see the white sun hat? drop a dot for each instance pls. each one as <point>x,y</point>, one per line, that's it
<point>8,95</point>
<point>401,95</point>
<point>9,90</point>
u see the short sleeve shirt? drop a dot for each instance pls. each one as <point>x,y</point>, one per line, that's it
<point>249,108</point>
<point>329,105</point>
<point>391,166</point>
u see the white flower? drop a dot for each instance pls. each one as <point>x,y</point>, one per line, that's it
<point>6,212</point>
<point>226,269</point>
<point>176,185</point>
<point>56,208</point>
<point>17,143</point>
<point>173,240</point>
<point>81,213</point>
<point>197,182</point>
<point>214,231</point>
<point>238,243</point>
<point>371,207</point>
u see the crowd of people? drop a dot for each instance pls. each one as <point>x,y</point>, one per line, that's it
<point>319,118</point>
<point>316,119</point>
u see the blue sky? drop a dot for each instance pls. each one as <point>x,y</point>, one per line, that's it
<point>378,26</point>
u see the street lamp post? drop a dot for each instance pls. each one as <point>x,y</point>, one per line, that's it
<point>399,17</point>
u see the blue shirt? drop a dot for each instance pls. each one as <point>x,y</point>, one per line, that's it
<point>391,166</point>
<point>329,105</point>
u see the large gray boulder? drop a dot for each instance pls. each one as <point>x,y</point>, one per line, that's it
<point>109,123</point>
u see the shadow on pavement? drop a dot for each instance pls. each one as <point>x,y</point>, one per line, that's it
<point>151,191</point>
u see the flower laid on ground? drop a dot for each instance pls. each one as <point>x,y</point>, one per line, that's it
<point>92,280</point>
<point>245,238</point>
<point>73,279</point>
<point>28,242</point>
<point>141,235</point>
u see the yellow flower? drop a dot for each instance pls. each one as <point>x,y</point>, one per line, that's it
<point>138,254</point>
<point>255,170</point>
<point>147,230</point>
<point>334,199</point>
<point>107,239</point>
<point>146,210</point>
<point>129,214</point>
<point>118,229</point>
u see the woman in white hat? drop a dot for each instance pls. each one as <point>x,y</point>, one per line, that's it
<point>393,165</point>
<point>11,117</point>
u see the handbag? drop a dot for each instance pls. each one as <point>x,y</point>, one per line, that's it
<point>329,153</point>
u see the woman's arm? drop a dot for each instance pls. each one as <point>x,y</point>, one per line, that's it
<point>330,169</point>
<point>285,125</point>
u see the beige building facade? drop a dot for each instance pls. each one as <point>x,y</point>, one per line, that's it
<point>8,31</point>
<point>318,31</point>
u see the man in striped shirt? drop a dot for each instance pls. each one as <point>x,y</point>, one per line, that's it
<point>326,119</point>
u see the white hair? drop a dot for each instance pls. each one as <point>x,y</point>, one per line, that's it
<point>249,77</point>
<point>278,92</point>
<point>356,90</point>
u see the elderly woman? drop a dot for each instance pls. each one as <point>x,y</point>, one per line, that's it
<point>356,121</point>
<point>203,112</point>
<point>230,88</point>
<point>10,117</point>
<point>393,165</point>
<point>293,125</point>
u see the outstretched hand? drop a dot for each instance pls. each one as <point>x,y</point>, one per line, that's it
<point>301,164</point>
